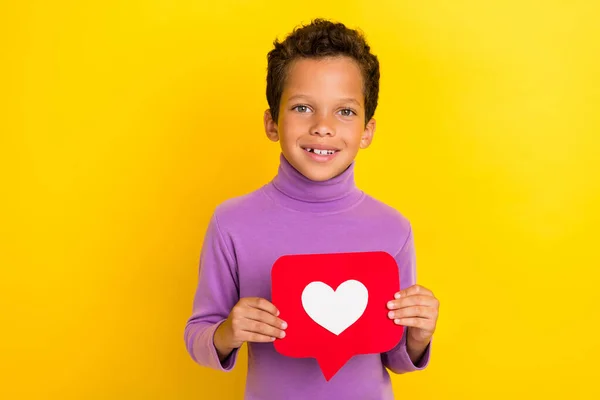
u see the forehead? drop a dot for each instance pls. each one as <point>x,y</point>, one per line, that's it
<point>324,77</point>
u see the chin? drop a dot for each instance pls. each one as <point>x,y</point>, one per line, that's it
<point>320,173</point>
<point>317,171</point>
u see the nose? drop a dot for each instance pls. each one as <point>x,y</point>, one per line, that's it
<point>323,126</point>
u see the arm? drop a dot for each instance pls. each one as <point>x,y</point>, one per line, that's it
<point>407,357</point>
<point>216,294</point>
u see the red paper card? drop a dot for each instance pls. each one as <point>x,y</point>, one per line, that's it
<point>335,306</point>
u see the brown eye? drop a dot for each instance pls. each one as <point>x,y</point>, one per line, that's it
<point>346,112</point>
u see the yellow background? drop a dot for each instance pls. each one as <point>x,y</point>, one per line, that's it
<point>123,124</point>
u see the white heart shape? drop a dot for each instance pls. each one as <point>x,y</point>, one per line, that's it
<point>335,310</point>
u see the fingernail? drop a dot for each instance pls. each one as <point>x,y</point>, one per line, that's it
<point>277,315</point>
<point>282,335</point>
<point>391,314</point>
<point>397,321</point>
<point>397,296</point>
<point>272,339</point>
<point>284,325</point>
<point>390,304</point>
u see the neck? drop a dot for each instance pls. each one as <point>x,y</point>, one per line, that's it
<point>294,190</point>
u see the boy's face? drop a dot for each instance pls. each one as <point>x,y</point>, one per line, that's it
<point>321,117</point>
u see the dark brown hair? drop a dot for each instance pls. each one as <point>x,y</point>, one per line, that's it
<point>319,39</point>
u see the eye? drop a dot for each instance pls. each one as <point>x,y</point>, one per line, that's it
<point>301,108</point>
<point>347,112</point>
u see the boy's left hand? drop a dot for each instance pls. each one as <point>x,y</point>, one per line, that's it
<point>417,309</point>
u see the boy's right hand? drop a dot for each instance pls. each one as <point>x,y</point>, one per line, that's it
<point>252,319</point>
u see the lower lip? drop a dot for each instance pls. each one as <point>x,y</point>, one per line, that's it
<point>319,158</point>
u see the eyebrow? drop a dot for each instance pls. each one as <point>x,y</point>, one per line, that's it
<point>342,100</point>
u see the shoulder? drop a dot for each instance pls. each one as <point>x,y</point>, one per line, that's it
<point>240,209</point>
<point>381,210</point>
<point>386,218</point>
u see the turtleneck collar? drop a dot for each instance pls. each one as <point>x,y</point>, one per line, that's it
<point>294,190</point>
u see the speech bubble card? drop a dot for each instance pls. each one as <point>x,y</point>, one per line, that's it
<point>335,306</point>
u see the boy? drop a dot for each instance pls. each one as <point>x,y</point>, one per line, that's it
<point>322,89</point>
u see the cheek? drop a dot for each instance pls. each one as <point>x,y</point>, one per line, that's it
<point>353,135</point>
<point>291,128</point>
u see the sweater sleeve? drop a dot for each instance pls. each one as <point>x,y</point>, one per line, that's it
<point>216,293</point>
<point>397,359</point>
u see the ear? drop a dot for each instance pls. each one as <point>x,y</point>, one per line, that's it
<point>367,136</point>
<point>271,126</point>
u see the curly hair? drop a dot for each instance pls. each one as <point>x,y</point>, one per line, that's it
<point>322,38</point>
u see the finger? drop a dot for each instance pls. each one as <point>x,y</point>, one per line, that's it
<point>267,318</point>
<point>257,338</point>
<point>420,323</point>
<point>412,290</point>
<point>253,326</point>
<point>263,304</point>
<point>414,300</point>
<point>415,311</point>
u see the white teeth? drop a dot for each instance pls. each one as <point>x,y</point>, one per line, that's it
<point>320,152</point>
<point>323,152</point>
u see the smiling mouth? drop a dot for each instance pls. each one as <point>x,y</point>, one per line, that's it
<point>320,152</point>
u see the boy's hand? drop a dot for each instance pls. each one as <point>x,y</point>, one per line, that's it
<point>252,319</point>
<point>416,308</point>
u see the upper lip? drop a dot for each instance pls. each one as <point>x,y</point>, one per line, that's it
<point>319,147</point>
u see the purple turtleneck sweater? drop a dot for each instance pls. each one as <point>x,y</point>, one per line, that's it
<point>295,215</point>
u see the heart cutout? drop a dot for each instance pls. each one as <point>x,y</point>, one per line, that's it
<point>335,310</point>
